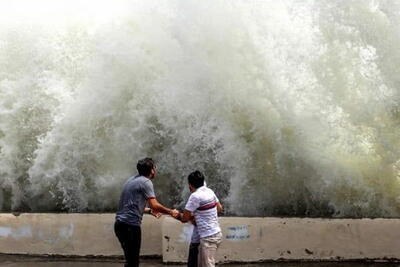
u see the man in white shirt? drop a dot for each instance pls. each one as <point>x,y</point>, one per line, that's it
<point>204,205</point>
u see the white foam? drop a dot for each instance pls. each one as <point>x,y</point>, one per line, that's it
<point>289,107</point>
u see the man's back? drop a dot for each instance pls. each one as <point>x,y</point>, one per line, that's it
<point>203,204</point>
<point>135,193</point>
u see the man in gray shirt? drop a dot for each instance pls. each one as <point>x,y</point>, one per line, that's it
<point>136,193</point>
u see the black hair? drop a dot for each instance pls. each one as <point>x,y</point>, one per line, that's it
<point>145,165</point>
<point>196,179</point>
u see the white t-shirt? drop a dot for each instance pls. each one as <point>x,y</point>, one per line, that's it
<point>203,204</point>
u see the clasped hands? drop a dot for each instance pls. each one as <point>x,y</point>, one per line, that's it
<point>174,213</point>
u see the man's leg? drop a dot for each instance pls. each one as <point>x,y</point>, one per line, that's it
<point>121,231</point>
<point>193,254</point>
<point>135,238</point>
<point>130,239</point>
<point>208,249</point>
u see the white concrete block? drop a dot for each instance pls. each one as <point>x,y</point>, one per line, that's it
<point>244,239</point>
<point>258,239</point>
<point>71,234</point>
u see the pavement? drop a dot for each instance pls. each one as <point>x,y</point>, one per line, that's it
<point>29,261</point>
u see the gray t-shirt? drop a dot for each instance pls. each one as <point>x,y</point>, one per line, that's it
<point>135,193</point>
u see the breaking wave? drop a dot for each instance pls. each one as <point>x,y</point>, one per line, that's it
<point>291,108</point>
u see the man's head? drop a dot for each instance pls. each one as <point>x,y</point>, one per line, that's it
<point>196,180</point>
<point>147,167</point>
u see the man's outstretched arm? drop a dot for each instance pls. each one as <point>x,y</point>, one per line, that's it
<point>156,206</point>
<point>152,212</point>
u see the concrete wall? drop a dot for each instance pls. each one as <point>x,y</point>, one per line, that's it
<point>71,234</point>
<point>255,239</point>
<point>245,239</point>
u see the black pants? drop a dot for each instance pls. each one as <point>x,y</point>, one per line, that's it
<point>130,238</point>
<point>193,254</point>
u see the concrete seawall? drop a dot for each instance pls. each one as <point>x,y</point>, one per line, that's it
<point>71,234</point>
<point>245,239</point>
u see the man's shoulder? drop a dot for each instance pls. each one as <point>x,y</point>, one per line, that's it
<point>207,191</point>
<point>193,195</point>
<point>204,193</point>
<point>135,181</point>
<point>140,179</point>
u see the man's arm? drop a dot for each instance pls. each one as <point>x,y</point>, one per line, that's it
<point>152,212</point>
<point>220,208</point>
<point>147,210</point>
<point>185,216</point>
<point>191,206</point>
<point>156,206</point>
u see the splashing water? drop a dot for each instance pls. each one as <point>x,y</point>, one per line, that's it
<point>289,107</point>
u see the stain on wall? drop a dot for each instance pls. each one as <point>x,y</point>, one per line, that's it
<point>237,233</point>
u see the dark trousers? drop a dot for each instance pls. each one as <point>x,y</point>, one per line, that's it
<point>193,254</point>
<point>130,238</point>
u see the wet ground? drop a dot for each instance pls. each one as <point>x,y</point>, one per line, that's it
<point>18,261</point>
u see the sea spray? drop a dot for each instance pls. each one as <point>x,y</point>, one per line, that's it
<point>289,108</point>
